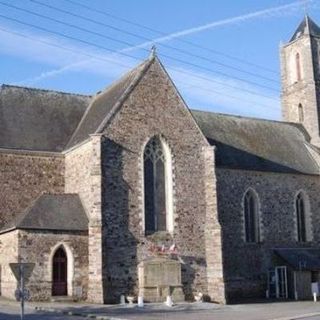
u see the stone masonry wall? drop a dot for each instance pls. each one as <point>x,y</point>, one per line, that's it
<point>216,288</point>
<point>39,246</point>
<point>154,108</point>
<point>246,264</point>
<point>23,177</point>
<point>8,254</point>
<point>304,91</point>
<point>83,176</point>
<point>77,173</point>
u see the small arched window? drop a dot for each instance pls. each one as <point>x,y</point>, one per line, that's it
<point>251,217</point>
<point>300,206</point>
<point>157,186</point>
<point>298,67</point>
<point>300,113</point>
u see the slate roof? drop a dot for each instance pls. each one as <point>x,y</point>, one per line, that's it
<point>256,144</point>
<point>104,102</point>
<point>307,26</point>
<point>301,258</point>
<point>33,119</point>
<point>42,120</point>
<point>63,212</point>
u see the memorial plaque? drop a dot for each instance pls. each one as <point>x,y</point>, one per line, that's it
<point>159,278</point>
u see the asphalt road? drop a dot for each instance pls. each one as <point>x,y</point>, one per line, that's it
<point>308,318</point>
<point>13,313</point>
<point>304,310</point>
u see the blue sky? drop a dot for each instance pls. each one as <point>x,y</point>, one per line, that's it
<point>232,65</point>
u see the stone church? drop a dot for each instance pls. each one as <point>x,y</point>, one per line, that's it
<point>130,192</point>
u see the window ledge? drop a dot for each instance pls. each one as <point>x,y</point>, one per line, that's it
<point>159,236</point>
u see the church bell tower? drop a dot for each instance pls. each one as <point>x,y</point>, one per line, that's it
<point>300,77</point>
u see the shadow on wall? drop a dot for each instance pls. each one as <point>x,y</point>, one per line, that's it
<point>189,276</point>
<point>119,244</point>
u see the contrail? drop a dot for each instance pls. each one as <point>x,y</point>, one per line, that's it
<point>229,21</point>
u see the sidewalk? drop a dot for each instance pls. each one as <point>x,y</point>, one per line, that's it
<point>118,312</point>
<point>186,311</point>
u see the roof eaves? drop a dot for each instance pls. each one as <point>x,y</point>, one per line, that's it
<point>2,231</point>
<point>52,229</point>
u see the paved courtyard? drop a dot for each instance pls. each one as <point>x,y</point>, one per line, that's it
<point>185,311</point>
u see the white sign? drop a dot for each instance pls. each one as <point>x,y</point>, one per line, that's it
<point>22,272</point>
<point>25,268</point>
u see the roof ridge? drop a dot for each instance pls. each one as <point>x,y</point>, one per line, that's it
<point>4,85</point>
<point>241,117</point>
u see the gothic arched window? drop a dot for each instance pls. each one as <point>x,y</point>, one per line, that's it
<point>157,186</point>
<point>300,113</point>
<point>301,217</point>
<point>298,67</point>
<point>251,217</point>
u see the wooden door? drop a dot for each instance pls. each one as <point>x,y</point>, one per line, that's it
<point>59,273</point>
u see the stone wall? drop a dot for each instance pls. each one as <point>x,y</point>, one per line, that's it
<point>304,91</point>
<point>39,246</point>
<point>23,177</point>
<point>216,287</point>
<point>246,264</point>
<point>83,176</point>
<point>8,254</point>
<point>77,173</point>
<point>154,108</point>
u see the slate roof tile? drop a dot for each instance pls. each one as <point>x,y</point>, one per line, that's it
<point>62,212</point>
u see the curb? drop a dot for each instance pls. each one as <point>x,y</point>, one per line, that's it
<point>306,315</point>
<point>77,314</point>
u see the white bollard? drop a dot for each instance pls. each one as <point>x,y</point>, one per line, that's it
<point>140,302</point>
<point>130,300</point>
<point>122,300</point>
<point>315,297</point>
<point>169,302</point>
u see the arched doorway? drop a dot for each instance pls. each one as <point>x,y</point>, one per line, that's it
<point>59,273</point>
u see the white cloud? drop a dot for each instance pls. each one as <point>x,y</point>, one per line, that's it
<point>199,93</point>
<point>61,55</point>
<point>71,62</point>
<point>229,95</point>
